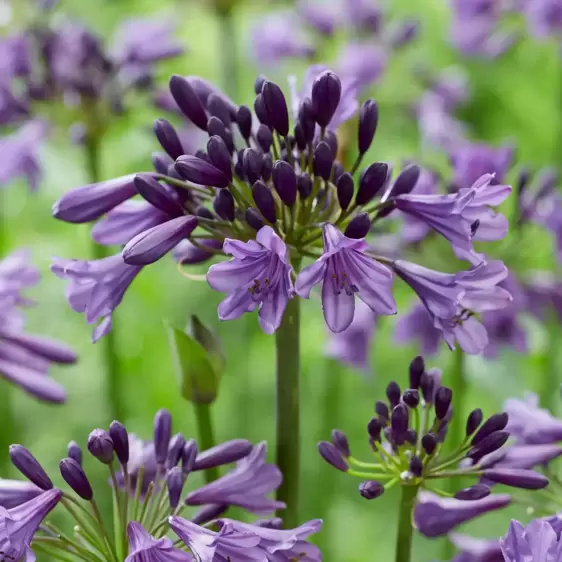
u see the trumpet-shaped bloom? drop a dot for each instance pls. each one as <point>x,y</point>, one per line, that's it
<point>538,542</point>
<point>143,547</point>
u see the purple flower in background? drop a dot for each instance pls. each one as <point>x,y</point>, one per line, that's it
<point>259,275</point>
<point>352,346</point>
<point>143,547</point>
<point>476,550</point>
<point>435,516</point>
<point>245,486</point>
<point>544,17</point>
<point>344,271</point>
<point>538,542</point>
<point>362,63</point>
<point>417,324</point>
<point>96,287</point>
<point>19,524</point>
<point>523,456</point>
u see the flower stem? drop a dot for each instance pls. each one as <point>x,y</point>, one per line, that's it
<point>405,532</point>
<point>114,374</point>
<point>206,435</point>
<point>287,340</point>
<point>228,53</point>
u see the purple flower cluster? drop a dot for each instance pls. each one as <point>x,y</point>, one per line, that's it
<point>25,358</point>
<point>283,199</point>
<point>148,480</point>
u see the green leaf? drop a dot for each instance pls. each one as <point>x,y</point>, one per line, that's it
<point>198,377</point>
<point>202,335</point>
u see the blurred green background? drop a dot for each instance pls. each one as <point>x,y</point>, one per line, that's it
<point>516,97</point>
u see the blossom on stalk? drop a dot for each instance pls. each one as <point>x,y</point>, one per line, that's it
<point>144,547</point>
<point>476,550</point>
<point>538,542</point>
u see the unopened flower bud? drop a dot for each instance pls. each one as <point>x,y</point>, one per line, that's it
<point>29,466</point>
<point>285,181</point>
<point>417,368</point>
<point>100,445</point>
<point>497,422</point>
<point>215,127</point>
<point>223,203</point>
<point>162,435</point>
<point>429,443</point>
<point>382,410</point>
<point>406,181</point>
<point>175,450</point>
<point>189,456</point>
<point>188,101</point>
<point>158,195</point>
<point>427,385</point>
<point>393,393</point>
<point>76,478</point>
<point>473,421</point>
<point>416,466</point>
<point>252,161</point>
<point>261,111</point>
<point>200,172</point>
<point>326,94</point>
<point>219,155</point>
<point>476,492</point>
<point>411,398</point>
<point>358,227</point>
<point>227,452</point>
<point>276,107</point>
<point>332,456</point>
<point>331,139</point>
<point>120,438</point>
<point>253,218</point>
<point>266,167</point>
<point>168,138</point>
<point>489,444</point>
<point>306,120</point>
<point>517,478</point>
<point>371,489</point>
<point>304,185</point>
<point>74,451</point>
<point>443,399</point>
<point>161,162</point>
<point>374,428</point>
<point>339,439</point>
<point>176,480</point>
<point>345,189</point>
<point>264,137</point>
<point>323,160</point>
<point>244,120</point>
<point>371,182</point>
<point>264,200</point>
<point>217,107</point>
<point>368,121</point>
<point>399,419</point>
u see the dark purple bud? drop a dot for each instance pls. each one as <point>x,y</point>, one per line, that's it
<point>203,155</point>
<point>261,111</point>
<point>411,436</point>
<point>359,226</point>
<point>476,492</point>
<point>371,181</point>
<point>399,419</point>
<point>429,443</point>
<point>443,399</point>
<point>304,185</point>
<point>337,171</point>
<point>215,127</point>
<point>323,160</point>
<point>306,120</point>
<point>411,398</point>
<point>264,200</point>
<point>28,465</point>
<point>168,138</point>
<point>299,137</point>
<point>100,445</point>
<point>200,172</point>
<point>252,160</point>
<point>276,107</point>
<point>371,489</point>
<point>368,121</point>
<point>209,513</point>
<point>161,162</point>
<point>517,478</point>
<point>120,438</point>
<point>76,478</point>
<point>225,453</point>
<point>175,450</point>
<point>331,140</point>
<point>223,203</point>
<point>188,101</point>
<point>217,107</point>
<point>266,167</point>
<point>489,444</point>
<point>258,83</point>
<point>158,195</point>
<point>416,466</point>
<point>219,155</point>
<point>345,189</point>
<point>497,422</point>
<point>326,94</point>
<point>244,120</point>
<point>176,480</point>
<point>285,181</point>
<point>189,456</point>
<point>417,368</point>
<point>382,410</point>
<point>253,218</point>
<point>331,455</point>
<point>162,435</point>
<point>406,181</point>
<point>374,429</point>
<point>339,439</point>
<point>474,420</point>
<point>74,451</point>
<point>393,393</point>
<point>427,385</point>
<point>264,137</point>
<point>273,523</point>
<point>204,213</point>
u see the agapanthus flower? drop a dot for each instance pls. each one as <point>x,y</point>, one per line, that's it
<point>538,542</point>
<point>476,550</point>
<point>544,17</point>
<point>157,474</point>
<point>25,358</point>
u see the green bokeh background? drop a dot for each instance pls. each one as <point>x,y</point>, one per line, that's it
<point>516,97</point>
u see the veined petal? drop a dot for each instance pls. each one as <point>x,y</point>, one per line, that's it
<point>242,250</point>
<point>268,239</point>
<point>273,308</point>
<point>482,300</point>
<point>236,304</point>
<point>338,304</point>
<point>230,275</point>
<point>472,336</point>
<point>309,277</point>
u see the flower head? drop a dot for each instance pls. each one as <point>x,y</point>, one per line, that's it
<point>538,542</point>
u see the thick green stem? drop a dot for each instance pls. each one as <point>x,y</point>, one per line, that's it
<point>405,532</point>
<point>287,342</point>
<point>113,372</point>
<point>206,435</point>
<point>228,53</point>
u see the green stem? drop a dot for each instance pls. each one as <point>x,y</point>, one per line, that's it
<point>228,53</point>
<point>405,532</point>
<point>206,435</point>
<point>113,371</point>
<point>287,341</point>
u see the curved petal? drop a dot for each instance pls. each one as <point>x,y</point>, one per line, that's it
<point>236,304</point>
<point>37,384</point>
<point>273,308</point>
<point>472,336</point>
<point>230,275</point>
<point>338,305</point>
<point>309,277</point>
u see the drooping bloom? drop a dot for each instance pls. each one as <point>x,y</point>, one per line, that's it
<point>258,276</point>
<point>143,547</point>
<point>476,550</point>
<point>538,542</point>
<point>417,324</point>
<point>344,270</point>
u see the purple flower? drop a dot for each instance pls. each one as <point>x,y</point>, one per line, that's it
<point>96,287</point>
<point>16,492</point>
<point>532,425</point>
<point>143,547</point>
<point>523,456</point>
<point>362,63</point>
<point>476,550</point>
<point>417,324</point>
<point>345,270</point>
<point>19,524</point>
<point>323,15</point>
<point>352,346</point>
<point>259,275</point>
<point>435,516</point>
<point>245,486</point>
<point>186,253</point>
<point>537,542</point>
<point>544,17</point>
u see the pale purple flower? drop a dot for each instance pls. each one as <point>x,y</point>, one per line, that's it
<point>417,324</point>
<point>550,214</point>
<point>544,17</point>
<point>476,550</point>
<point>522,456</point>
<point>363,63</point>
<point>16,492</point>
<point>12,108</point>
<point>258,276</point>
<point>15,57</point>
<point>96,287</point>
<point>435,516</point>
<point>352,346</point>
<point>187,253</point>
<point>19,524</point>
<point>246,486</point>
<point>143,547</point>
<point>345,270</point>
<point>322,15</point>
<point>538,542</point>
